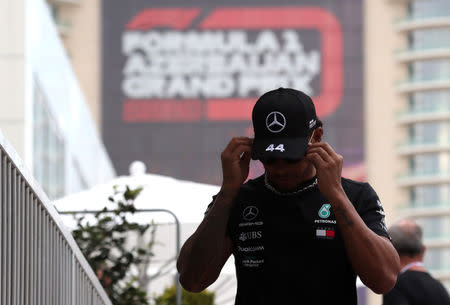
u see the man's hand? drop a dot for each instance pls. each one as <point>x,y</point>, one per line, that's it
<point>236,162</point>
<point>328,165</point>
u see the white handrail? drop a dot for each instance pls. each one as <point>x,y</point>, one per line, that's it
<point>40,262</point>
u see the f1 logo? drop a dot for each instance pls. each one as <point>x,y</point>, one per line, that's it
<point>258,18</point>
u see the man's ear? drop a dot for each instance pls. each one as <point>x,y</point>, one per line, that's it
<point>317,136</point>
<point>422,254</point>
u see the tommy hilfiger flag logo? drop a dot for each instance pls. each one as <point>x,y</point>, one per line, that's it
<point>327,233</point>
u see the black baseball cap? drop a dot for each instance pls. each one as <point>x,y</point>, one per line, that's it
<point>283,121</point>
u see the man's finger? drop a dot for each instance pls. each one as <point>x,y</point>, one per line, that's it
<point>240,150</point>
<point>322,153</point>
<point>245,158</point>
<point>324,145</point>
<point>241,144</point>
<point>316,159</point>
<point>234,144</point>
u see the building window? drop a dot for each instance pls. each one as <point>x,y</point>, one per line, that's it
<point>79,183</point>
<point>430,101</point>
<point>437,258</point>
<point>425,196</point>
<point>421,133</point>
<point>48,148</point>
<point>424,164</point>
<point>433,259</point>
<point>429,39</point>
<point>428,70</point>
<point>432,227</point>
<point>429,8</point>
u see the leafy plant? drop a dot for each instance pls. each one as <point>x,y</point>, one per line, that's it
<point>168,297</point>
<point>106,247</point>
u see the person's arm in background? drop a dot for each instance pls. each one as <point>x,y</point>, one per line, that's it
<point>373,257</point>
<point>203,255</point>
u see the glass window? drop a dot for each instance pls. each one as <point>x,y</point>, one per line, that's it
<point>424,132</point>
<point>433,259</point>
<point>78,182</point>
<point>437,259</point>
<point>48,148</point>
<point>425,196</point>
<point>429,8</point>
<point>424,164</point>
<point>432,227</point>
<point>430,70</point>
<point>429,38</point>
<point>430,101</point>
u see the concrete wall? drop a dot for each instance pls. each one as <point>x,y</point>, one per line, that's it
<point>83,45</point>
<point>12,72</point>
<point>382,101</point>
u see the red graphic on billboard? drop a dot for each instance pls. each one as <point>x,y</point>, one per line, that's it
<point>179,80</point>
<point>162,93</point>
<point>173,18</point>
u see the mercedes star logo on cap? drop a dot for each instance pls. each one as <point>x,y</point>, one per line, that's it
<point>275,121</point>
<point>250,213</point>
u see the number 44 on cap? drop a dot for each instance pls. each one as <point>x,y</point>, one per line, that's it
<point>271,147</point>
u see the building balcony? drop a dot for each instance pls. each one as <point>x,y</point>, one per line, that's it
<point>424,53</point>
<point>438,113</point>
<point>418,147</point>
<point>415,85</point>
<point>424,178</point>
<point>414,23</point>
<point>437,242</point>
<point>422,210</point>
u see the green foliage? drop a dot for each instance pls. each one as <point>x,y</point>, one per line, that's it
<point>131,295</point>
<point>104,244</point>
<point>168,297</point>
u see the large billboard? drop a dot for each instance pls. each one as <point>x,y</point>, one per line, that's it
<point>180,78</point>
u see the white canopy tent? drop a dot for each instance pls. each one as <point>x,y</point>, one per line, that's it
<point>187,200</point>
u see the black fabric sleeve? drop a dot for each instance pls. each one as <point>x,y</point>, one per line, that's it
<point>371,211</point>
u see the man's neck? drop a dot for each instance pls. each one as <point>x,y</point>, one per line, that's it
<point>412,263</point>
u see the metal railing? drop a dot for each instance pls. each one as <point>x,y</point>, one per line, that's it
<point>40,263</point>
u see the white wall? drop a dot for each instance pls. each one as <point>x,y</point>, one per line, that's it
<point>48,63</point>
<point>12,72</point>
<point>31,53</point>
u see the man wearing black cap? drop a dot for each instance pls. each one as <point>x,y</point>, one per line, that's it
<point>300,234</point>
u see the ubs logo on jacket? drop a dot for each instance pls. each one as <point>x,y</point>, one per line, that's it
<point>250,235</point>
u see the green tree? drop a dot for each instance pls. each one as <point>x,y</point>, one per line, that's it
<point>104,244</point>
<point>168,297</point>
